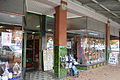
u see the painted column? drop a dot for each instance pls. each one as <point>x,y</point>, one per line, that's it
<point>60,50</point>
<point>107,41</point>
<point>24,54</point>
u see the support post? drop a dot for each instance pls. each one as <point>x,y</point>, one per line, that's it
<point>107,41</point>
<point>43,40</point>
<point>24,55</point>
<point>60,50</point>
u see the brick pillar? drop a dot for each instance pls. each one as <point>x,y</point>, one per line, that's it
<point>107,41</point>
<point>60,50</point>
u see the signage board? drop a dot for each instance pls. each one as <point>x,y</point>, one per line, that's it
<point>113,58</point>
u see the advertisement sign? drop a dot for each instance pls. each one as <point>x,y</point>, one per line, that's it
<point>48,58</point>
<point>6,38</point>
<point>113,58</point>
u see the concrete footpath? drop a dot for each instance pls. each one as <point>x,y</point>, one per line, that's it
<point>108,72</point>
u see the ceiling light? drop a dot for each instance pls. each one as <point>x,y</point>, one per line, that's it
<point>38,26</point>
<point>33,32</point>
<point>8,30</point>
<point>49,29</point>
<point>95,1</point>
<point>93,34</point>
<point>82,30</point>
<point>1,26</point>
<point>12,16</point>
<point>50,16</point>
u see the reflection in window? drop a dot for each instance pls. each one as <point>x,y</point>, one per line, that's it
<point>50,24</point>
<point>33,22</point>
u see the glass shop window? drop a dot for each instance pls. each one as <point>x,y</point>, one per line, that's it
<point>10,52</point>
<point>91,48</point>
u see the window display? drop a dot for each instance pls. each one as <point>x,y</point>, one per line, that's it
<point>10,54</point>
<point>90,50</point>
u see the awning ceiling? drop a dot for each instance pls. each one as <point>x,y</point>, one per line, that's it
<point>109,8</point>
<point>10,19</point>
<point>12,6</point>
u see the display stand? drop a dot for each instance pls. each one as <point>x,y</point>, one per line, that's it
<point>91,66</point>
<point>90,53</point>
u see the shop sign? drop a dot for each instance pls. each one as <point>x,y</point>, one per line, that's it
<point>113,58</point>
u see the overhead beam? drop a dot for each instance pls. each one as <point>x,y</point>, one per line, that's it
<point>108,10</point>
<point>102,2</point>
<point>114,17</point>
<point>80,9</point>
<point>77,8</point>
<point>111,11</point>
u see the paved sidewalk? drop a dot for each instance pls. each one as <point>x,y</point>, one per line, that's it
<point>107,72</point>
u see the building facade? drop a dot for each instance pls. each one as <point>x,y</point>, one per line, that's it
<point>38,35</point>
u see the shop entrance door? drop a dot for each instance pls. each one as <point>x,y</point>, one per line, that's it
<point>33,51</point>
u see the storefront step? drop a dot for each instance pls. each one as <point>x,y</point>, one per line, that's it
<point>88,67</point>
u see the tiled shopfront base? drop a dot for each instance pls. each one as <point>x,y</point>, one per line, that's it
<point>49,75</point>
<point>88,67</point>
<point>59,55</point>
<point>39,75</point>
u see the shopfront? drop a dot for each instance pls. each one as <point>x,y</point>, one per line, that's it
<point>88,43</point>
<point>38,42</point>
<point>21,47</point>
<point>114,56</point>
<point>11,35</point>
<point>11,39</point>
<point>91,50</point>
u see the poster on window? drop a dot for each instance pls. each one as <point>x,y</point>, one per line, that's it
<point>6,38</point>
